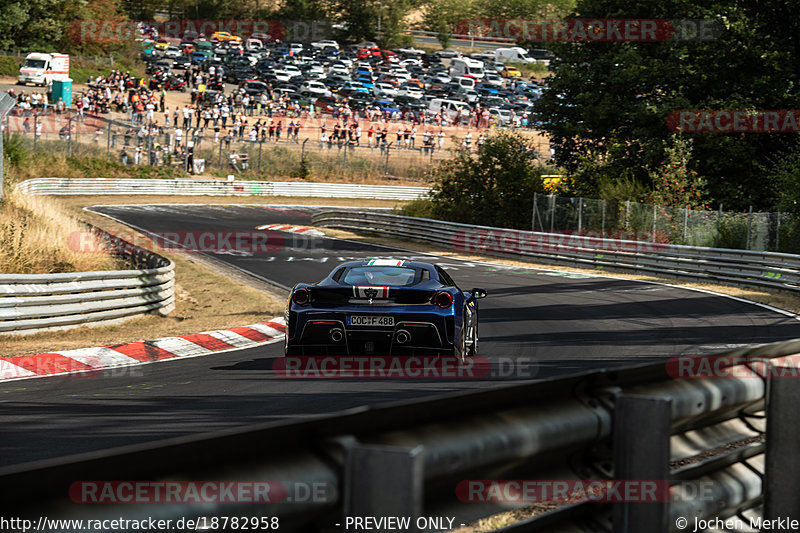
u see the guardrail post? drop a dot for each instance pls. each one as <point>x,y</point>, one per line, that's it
<point>749,225</point>
<point>627,214</point>
<point>580,213</point>
<point>685,223</point>
<point>603,218</point>
<point>533,212</point>
<point>778,234</point>
<point>641,452</point>
<point>372,469</point>
<point>655,218</point>
<point>552,212</point>
<point>69,135</point>
<point>781,472</point>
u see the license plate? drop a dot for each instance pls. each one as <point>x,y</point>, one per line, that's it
<point>370,320</point>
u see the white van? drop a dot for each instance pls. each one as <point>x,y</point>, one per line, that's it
<point>515,54</point>
<point>448,108</point>
<point>464,66</point>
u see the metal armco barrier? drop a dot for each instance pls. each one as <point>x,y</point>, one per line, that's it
<point>702,439</point>
<point>38,302</point>
<point>710,265</point>
<point>198,187</point>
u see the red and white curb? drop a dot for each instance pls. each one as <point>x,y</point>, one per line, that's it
<point>137,353</point>
<point>292,229</point>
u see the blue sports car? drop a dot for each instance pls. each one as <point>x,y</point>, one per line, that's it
<point>383,307</point>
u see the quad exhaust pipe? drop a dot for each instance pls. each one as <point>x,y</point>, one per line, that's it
<point>402,336</point>
<point>336,335</point>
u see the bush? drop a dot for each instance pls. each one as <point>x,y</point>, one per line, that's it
<point>420,208</point>
<point>492,188</point>
<point>9,66</point>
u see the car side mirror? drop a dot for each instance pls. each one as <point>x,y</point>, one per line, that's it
<point>478,293</point>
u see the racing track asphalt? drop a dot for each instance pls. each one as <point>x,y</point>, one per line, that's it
<point>533,324</point>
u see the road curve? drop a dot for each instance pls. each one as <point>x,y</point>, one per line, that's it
<point>534,324</point>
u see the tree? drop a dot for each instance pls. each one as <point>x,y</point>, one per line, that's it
<point>445,35</point>
<point>443,15</point>
<point>360,18</point>
<point>607,103</point>
<point>494,187</point>
<point>522,8</point>
<point>675,184</point>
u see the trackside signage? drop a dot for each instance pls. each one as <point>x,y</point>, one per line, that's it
<point>515,241</point>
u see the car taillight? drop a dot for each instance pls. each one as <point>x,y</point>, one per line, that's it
<point>301,296</point>
<point>443,300</point>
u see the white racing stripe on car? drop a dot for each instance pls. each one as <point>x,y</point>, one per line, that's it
<point>99,357</point>
<point>386,262</point>
<point>9,370</point>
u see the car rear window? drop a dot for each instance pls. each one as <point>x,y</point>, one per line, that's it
<point>381,275</point>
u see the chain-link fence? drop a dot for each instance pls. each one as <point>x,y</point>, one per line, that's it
<point>205,151</point>
<point>673,225</point>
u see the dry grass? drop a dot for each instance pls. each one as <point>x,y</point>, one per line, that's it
<point>37,236</point>
<point>507,518</point>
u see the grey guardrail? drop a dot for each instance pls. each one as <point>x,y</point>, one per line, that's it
<point>205,187</point>
<point>30,303</point>
<point>708,265</point>
<point>722,446</point>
